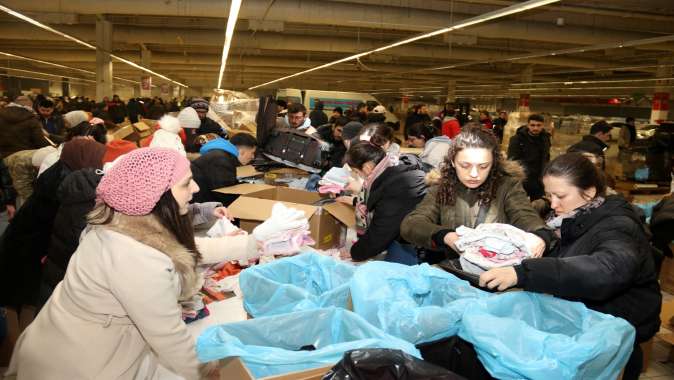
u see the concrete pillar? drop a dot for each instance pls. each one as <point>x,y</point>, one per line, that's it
<point>451,91</point>
<point>103,60</point>
<point>527,76</point>
<point>65,86</point>
<point>660,107</point>
<point>146,79</point>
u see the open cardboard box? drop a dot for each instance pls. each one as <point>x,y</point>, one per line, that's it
<point>143,129</point>
<point>234,368</point>
<point>247,171</point>
<point>327,223</point>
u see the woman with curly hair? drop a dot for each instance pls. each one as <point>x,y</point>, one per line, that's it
<point>476,185</point>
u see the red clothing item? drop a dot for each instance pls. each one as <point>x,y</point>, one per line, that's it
<point>487,123</point>
<point>451,128</point>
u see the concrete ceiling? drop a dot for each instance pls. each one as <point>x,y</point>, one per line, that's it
<point>275,38</point>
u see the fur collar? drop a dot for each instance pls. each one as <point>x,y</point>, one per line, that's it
<point>148,230</point>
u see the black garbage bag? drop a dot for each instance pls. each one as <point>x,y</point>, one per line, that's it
<point>456,355</point>
<point>386,364</point>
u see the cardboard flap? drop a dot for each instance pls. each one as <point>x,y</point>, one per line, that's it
<point>141,126</point>
<point>344,213</point>
<point>233,368</point>
<point>249,208</point>
<point>408,150</point>
<point>244,188</point>
<point>247,171</point>
<point>287,194</point>
<point>121,133</point>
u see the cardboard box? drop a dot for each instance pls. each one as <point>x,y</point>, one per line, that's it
<point>408,150</point>
<point>327,223</point>
<point>143,129</point>
<point>234,368</point>
<point>247,172</point>
<point>121,133</point>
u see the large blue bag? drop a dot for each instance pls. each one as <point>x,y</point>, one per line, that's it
<point>417,303</point>
<point>523,335</point>
<point>304,282</point>
<point>272,345</point>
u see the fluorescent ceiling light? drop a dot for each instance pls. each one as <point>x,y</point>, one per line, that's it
<point>229,33</point>
<point>83,43</point>
<point>516,8</point>
<point>46,74</point>
<point>62,66</point>
<point>35,78</point>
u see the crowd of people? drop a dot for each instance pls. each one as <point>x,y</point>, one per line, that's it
<point>101,233</point>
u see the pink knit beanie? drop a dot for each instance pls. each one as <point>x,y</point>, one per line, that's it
<point>134,185</point>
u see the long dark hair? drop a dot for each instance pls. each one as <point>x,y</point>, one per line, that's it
<point>579,171</point>
<point>472,136</point>
<point>167,212</point>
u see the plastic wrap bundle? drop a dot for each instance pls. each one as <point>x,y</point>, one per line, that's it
<point>298,341</point>
<point>304,282</point>
<point>491,245</point>
<point>522,335</point>
<point>416,303</point>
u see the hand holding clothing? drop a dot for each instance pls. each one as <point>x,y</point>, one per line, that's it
<point>222,212</point>
<point>499,278</point>
<point>450,239</point>
<point>535,245</point>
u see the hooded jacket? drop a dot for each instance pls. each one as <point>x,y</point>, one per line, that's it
<point>533,153</point>
<point>604,261</point>
<point>427,225</point>
<point>77,197</point>
<point>435,151</point>
<point>19,130</point>
<point>392,196</point>
<point>215,168</point>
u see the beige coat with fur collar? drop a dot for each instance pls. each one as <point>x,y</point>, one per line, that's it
<point>115,315</point>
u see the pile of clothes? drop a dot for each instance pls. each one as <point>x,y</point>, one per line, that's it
<point>284,233</point>
<point>491,245</point>
<point>334,181</point>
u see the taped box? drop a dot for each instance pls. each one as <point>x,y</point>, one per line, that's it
<point>234,368</point>
<point>328,223</point>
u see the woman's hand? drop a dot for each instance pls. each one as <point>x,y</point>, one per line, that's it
<point>347,200</point>
<point>353,186</point>
<point>222,212</point>
<point>499,278</point>
<point>450,239</point>
<point>535,244</point>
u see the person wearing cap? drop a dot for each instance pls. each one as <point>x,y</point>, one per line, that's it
<point>168,135</point>
<point>351,131</point>
<point>19,128</point>
<point>52,122</point>
<point>207,125</point>
<point>116,314</point>
<point>377,115</point>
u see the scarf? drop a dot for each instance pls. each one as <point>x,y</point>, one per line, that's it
<point>363,215</point>
<point>555,221</point>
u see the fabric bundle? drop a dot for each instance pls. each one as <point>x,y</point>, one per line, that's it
<point>284,233</point>
<point>334,181</point>
<point>491,245</point>
<point>194,309</point>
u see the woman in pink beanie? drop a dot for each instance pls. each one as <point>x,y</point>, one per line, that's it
<point>116,314</point>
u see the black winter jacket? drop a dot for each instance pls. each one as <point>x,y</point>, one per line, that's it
<point>533,153</point>
<point>318,118</point>
<point>603,260</point>
<point>662,225</point>
<point>77,196</point>
<point>26,240</point>
<point>212,171</point>
<point>393,195</point>
<point>335,156</point>
<point>7,192</point>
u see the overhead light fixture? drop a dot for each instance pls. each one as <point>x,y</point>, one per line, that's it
<point>229,33</point>
<point>35,78</point>
<point>46,74</point>
<point>513,9</point>
<point>17,56</point>
<point>83,43</point>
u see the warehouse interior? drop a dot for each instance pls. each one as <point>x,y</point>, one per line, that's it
<point>579,65</point>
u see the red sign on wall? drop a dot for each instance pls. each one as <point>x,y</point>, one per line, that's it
<point>661,101</point>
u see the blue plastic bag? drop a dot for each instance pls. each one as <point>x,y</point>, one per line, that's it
<point>417,303</point>
<point>304,282</point>
<point>271,345</point>
<point>535,336</point>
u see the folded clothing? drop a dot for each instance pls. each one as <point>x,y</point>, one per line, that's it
<point>223,227</point>
<point>336,176</point>
<point>491,245</point>
<point>331,188</point>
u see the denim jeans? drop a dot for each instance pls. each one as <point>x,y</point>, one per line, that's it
<point>402,254</point>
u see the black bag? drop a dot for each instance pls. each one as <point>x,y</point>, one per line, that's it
<point>385,364</point>
<point>295,148</point>
<point>456,355</point>
<point>265,119</point>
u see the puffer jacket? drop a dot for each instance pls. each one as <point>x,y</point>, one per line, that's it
<point>20,129</point>
<point>427,225</point>
<point>603,260</point>
<point>77,196</point>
